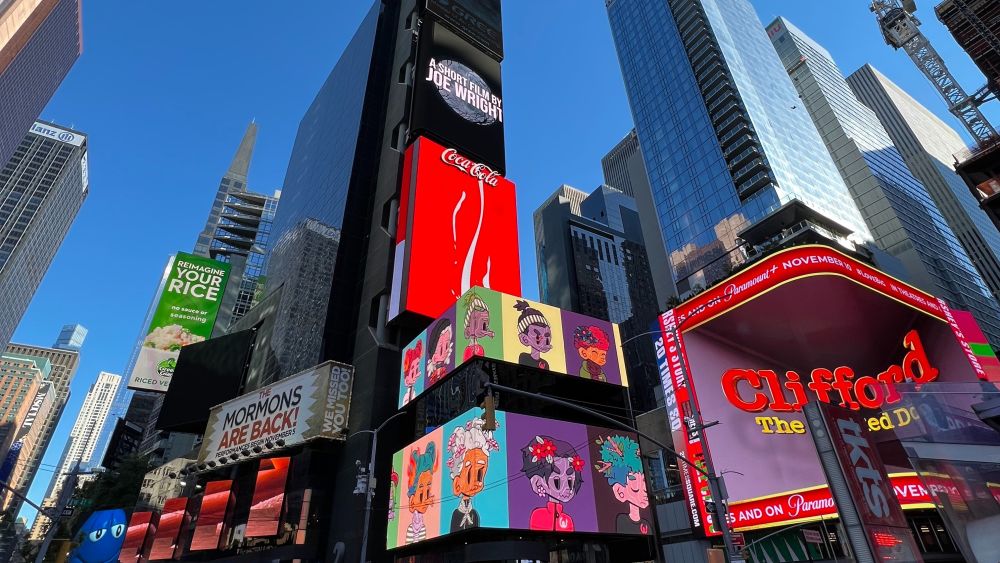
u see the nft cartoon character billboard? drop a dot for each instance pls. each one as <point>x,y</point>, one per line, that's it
<point>475,494</point>
<point>618,462</point>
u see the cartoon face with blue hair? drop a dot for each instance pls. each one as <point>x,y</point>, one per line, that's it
<point>101,537</point>
<point>621,464</point>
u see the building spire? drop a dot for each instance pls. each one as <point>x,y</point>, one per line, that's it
<point>240,166</point>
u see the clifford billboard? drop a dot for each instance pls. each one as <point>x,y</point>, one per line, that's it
<point>490,324</point>
<point>810,324</point>
<point>457,97</point>
<point>530,473</point>
<point>457,228</point>
<point>184,314</point>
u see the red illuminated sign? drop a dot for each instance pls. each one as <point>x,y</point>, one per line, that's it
<point>139,537</point>
<point>212,516</point>
<point>174,517</point>
<point>870,392</point>
<point>457,229</point>
<point>268,497</point>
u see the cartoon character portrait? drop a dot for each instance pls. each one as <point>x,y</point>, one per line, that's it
<point>477,325</point>
<point>412,370</point>
<point>470,448</point>
<point>101,537</point>
<point>419,475</point>
<point>440,344</point>
<point>555,473</point>
<point>621,464</point>
<point>533,331</point>
<point>592,343</point>
<point>393,490</point>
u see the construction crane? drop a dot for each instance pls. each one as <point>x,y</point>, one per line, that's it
<point>901,30</point>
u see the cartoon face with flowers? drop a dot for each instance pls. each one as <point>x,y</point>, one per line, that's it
<point>621,464</point>
<point>469,447</point>
<point>555,473</point>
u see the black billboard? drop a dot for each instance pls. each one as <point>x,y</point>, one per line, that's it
<point>476,20</point>
<point>457,99</point>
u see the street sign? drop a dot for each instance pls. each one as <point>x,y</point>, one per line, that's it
<point>67,512</point>
<point>739,540</point>
<point>812,536</point>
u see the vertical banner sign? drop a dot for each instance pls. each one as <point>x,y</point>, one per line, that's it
<point>175,516</point>
<point>211,526</point>
<point>185,315</point>
<point>870,490</point>
<point>268,498</point>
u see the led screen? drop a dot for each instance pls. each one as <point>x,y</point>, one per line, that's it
<point>139,536</point>
<point>211,525</point>
<point>268,497</point>
<point>174,517</point>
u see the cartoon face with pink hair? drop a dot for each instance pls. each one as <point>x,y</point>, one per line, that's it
<point>592,343</point>
<point>412,369</point>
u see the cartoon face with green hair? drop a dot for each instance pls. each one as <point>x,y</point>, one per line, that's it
<point>621,465</point>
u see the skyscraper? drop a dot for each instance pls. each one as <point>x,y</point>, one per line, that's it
<point>625,171</point>
<point>722,131</point>
<point>41,190</point>
<point>82,441</point>
<point>71,337</point>
<point>39,42</point>
<point>975,24</point>
<point>20,378</point>
<point>900,213</point>
<point>237,231</point>
<point>927,145</point>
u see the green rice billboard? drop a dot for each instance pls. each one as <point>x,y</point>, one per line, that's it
<point>185,314</point>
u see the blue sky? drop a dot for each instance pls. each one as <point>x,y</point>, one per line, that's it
<point>165,90</point>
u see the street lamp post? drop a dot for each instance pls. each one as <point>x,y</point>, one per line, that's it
<point>370,485</point>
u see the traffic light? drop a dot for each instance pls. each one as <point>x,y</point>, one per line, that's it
<point>485,400</point>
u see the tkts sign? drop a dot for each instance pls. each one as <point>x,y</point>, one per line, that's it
<point>457,229</point>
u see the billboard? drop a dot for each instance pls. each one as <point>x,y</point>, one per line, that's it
<point>496,325</point>
<point>457,228</point>
<point>185,314</point>
<point>478,21</point>
<point>268,498</point>
<point>457,97</point>
<point>311,404</point>
<point>175,517</point>
<point>750,351</point>
<point>138,537</point>
<point>530,473</point>
<point>210,529</point>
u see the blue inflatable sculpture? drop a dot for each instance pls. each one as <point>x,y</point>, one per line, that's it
<point>101,537</point>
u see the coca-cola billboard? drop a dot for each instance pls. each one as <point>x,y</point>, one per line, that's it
<point>457,97</point>
<point>457,229</point>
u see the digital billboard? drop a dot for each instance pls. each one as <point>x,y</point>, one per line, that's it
<point>184,314</point>
<point>529,473</point>
<point>138,537</point>
<point>210,528</point>
<point>457,98</point>
<point>312,404</point>
<point>476,20</point>
<point>268,497</point>
<point>457,228</point>
<point>490,324</point>
<point>174,517</point>
<point>807,324</point>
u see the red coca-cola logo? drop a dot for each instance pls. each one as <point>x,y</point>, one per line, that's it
<point>475,169</point>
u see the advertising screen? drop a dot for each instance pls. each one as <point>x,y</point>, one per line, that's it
<point>531,473</point>
<point>138,537</point>
<point>185,314</point>
<point>476,20</point>
<point>457,228</point>
<point>268,497</point>
<point>311,404</point>
<point>175,516</point>
<point>211,526</point>
<point>457,98</point>
<point>490,324</point>
<point>752,350</point>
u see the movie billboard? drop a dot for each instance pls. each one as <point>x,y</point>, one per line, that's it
<point>478,21</point>
<point>211,527</point>
<point>529,473</point>
<point>185,314</point>
<point>309,405</point>
<point>457,228</point>
<point>752,350</point>
<point>490,324</point>
<point>457,98</point>
<point>266,508</point>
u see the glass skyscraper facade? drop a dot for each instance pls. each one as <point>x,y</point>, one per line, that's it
<point>723,135</point>
<point>41,190</point>
<point>901,215</point>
